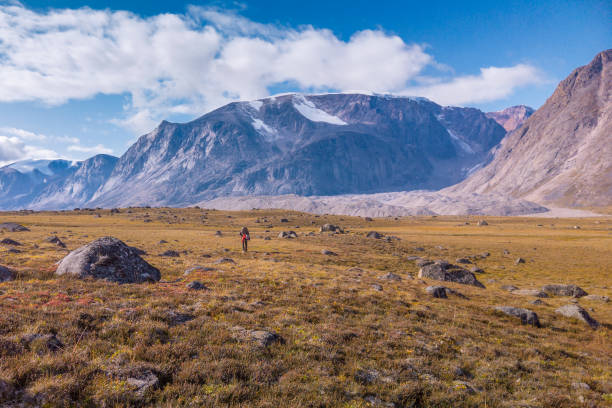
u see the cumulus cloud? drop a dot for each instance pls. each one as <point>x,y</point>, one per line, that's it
<point>98,149</point>
<point>205,58</point>
<point>493,83</point>
<point>12,149</point>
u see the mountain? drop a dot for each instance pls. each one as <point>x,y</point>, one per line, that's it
<point>303,144</point>
<point>511,118</point>
<point>562,154</point>
<point>53,184</point>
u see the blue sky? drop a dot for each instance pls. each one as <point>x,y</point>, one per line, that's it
<point>79,78</point>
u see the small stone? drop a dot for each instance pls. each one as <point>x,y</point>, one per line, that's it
<point>463,261</point>
<point>527,316</point>
<point>225,260</point>
<point>509,288</point>
<point>391,276</point>
<point>581,386</point>
<point>196,285</point>
<point>374,235</point>
<point>367,376</point>
<point>482,223</point>
<point>437,291</point>
<point>597,298</point>
<point>328,252</point>
<point>170,253</point>
<point>377,287</point>
<point>519,261</point>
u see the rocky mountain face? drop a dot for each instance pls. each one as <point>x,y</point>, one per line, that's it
<point>562,154</point>
<point>303,144</point>
<point>511,118</point>
<point>52,184</point>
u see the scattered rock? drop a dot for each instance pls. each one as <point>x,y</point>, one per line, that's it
<point>536,302</point>
<point>7,390</point>
<point>527,316</point>
<point>225,260</point>
<point>8,241</point>
<point>564,290</point>
<point>284,220</point>
<point>114,211</point>
<point>287,234</point>
<point>485,254</point>
<point>13,227</point>
<point>14,251</point>
<point>328,252</point>
<point>368,219</point>
<point>218,233</point>
<point>174,318</point>
<point>170,254</point>
<point>443,271</point>
<point>110,259</point>
<point>475,269</point>
<point>482,223</point>
<point>196,285</point>
<point>597,298</point>
<point>374,235</point>
<point>576,312</point>
<point>437,291</point>
<point>519,261</point>
<point>377,287</point>
<point>262,338</point>
<point>413,258</point>
<point>463,261</point>
<point>198,268</point>
<point>391,276</point>
<point>162,241</point>
<point>530,292</point>
<point>55,240</point>
<point>147,381</point>
<point>6,274</point>
<point>331,228</point>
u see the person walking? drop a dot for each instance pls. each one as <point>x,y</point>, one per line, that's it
<point>244,235</point>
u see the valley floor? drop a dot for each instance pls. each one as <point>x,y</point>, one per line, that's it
<point>285,325</point>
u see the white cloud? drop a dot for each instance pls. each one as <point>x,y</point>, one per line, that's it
<point>13,149</point>
<point>493,83</point>
<point>22,134</point>
<point>98,149</point>
<point>201,60</point>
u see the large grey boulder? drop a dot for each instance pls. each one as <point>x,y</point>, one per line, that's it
<point>444,271</point>
<point>564,290</point>
<point>6,274</point>
<point>110,259</point>
<point>13,227</point>
<point>331,228</point>
<point>527,316</point>
<point>576,312</point>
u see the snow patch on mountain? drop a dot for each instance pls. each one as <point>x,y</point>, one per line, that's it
<point>311,112</point>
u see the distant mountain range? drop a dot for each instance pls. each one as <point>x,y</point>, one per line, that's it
<point>289,144</point>
<point>352,144</point>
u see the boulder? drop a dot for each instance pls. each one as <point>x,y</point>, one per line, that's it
<point>170,253</point>
<point>530,292</point>
<point>564,290</point>
<point>391,276</point>
<point>110,259</point>
<point>331,228</point>
<point>55,240</point>
<point>444,271</point>
<point>598,298</point>
<point>437,291</point>
<point>6,274</point>
<point>225,260</point>
<point>576,312</point>
<point>263,338</point>
<point>527,316</point>
<point>328,252</point>
<point>374,235</point>
<point>196,285</point>
<point>463,261</point>
<point>13,227</point>
<point>8,241</point>
<point>287,234</point>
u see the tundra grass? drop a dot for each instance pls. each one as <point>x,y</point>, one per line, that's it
<point>346,343</point>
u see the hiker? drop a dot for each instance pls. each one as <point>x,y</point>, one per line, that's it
<point>244,234</point>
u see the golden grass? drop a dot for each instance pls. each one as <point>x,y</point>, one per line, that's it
<point>336,326</point>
